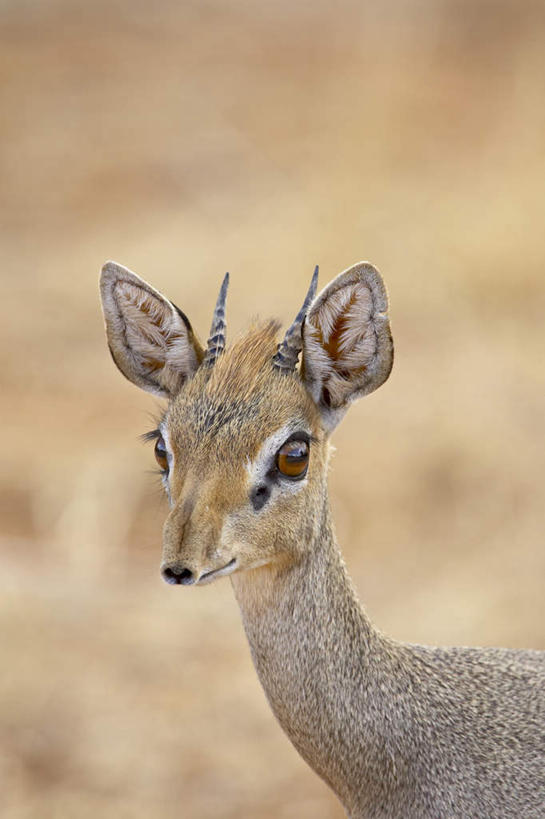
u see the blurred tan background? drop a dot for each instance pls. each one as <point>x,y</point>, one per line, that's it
<point>183,139</point>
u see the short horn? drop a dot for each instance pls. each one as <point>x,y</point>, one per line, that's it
<point>216,342</point>
<point>287,354</point>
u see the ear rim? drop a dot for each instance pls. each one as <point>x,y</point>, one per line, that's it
<point>367,274</point>
<point>113,273</point>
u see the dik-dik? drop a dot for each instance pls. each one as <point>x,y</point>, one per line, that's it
<point>396,730</point>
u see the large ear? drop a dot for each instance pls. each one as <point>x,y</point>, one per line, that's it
<point>347,345</point>
<point>150,339</point>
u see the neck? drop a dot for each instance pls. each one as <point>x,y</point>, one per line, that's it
<point>315,653</point>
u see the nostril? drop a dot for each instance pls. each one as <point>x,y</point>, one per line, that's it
<point>169,576</point>
<point>183,576</point>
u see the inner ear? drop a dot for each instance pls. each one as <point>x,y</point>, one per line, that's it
<point>151,340</point>
<point>347,344</point>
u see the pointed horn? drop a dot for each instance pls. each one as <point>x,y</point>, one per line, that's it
<point>216,342</point>
<point>285,358</point>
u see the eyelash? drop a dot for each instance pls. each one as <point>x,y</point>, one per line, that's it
<point>150,436</point>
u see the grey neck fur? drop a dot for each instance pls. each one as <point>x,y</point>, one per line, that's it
<point>396,730</point>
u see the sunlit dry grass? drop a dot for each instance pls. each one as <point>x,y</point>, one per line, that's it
<point>183,140</point>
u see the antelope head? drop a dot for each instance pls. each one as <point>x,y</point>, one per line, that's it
<point>243,444</point>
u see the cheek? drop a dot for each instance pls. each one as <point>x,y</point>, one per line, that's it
<point>279,525</point>
<point>301,515</point>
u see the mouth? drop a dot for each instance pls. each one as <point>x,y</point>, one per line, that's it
<point>208,577</point>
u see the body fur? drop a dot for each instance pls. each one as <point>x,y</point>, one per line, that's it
<point>398,731</point>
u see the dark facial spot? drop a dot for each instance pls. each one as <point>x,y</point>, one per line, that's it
<point>259,496</point>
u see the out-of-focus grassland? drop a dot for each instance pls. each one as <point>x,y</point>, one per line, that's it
<point>184,139</point>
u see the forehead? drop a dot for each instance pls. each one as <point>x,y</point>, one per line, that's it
<point>228,411</point>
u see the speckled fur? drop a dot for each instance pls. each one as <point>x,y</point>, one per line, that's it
<point>398,731</point>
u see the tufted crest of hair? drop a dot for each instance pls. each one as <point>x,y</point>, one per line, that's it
<point>348,350</point>
<point>246,366</point>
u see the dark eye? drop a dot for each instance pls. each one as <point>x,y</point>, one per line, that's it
<point>292,459</point>
<point>161,454</point>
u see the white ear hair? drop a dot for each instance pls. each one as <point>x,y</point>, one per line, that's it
<point>347,344</point>
<point>151,340</point>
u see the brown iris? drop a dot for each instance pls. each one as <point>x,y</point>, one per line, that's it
<point>292,459</point>
<point>160,452</point>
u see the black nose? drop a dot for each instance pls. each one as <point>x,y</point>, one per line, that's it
<point>176,576</point>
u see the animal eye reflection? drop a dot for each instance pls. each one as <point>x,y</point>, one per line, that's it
<point>292,459</point>
<point>160,453</point>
